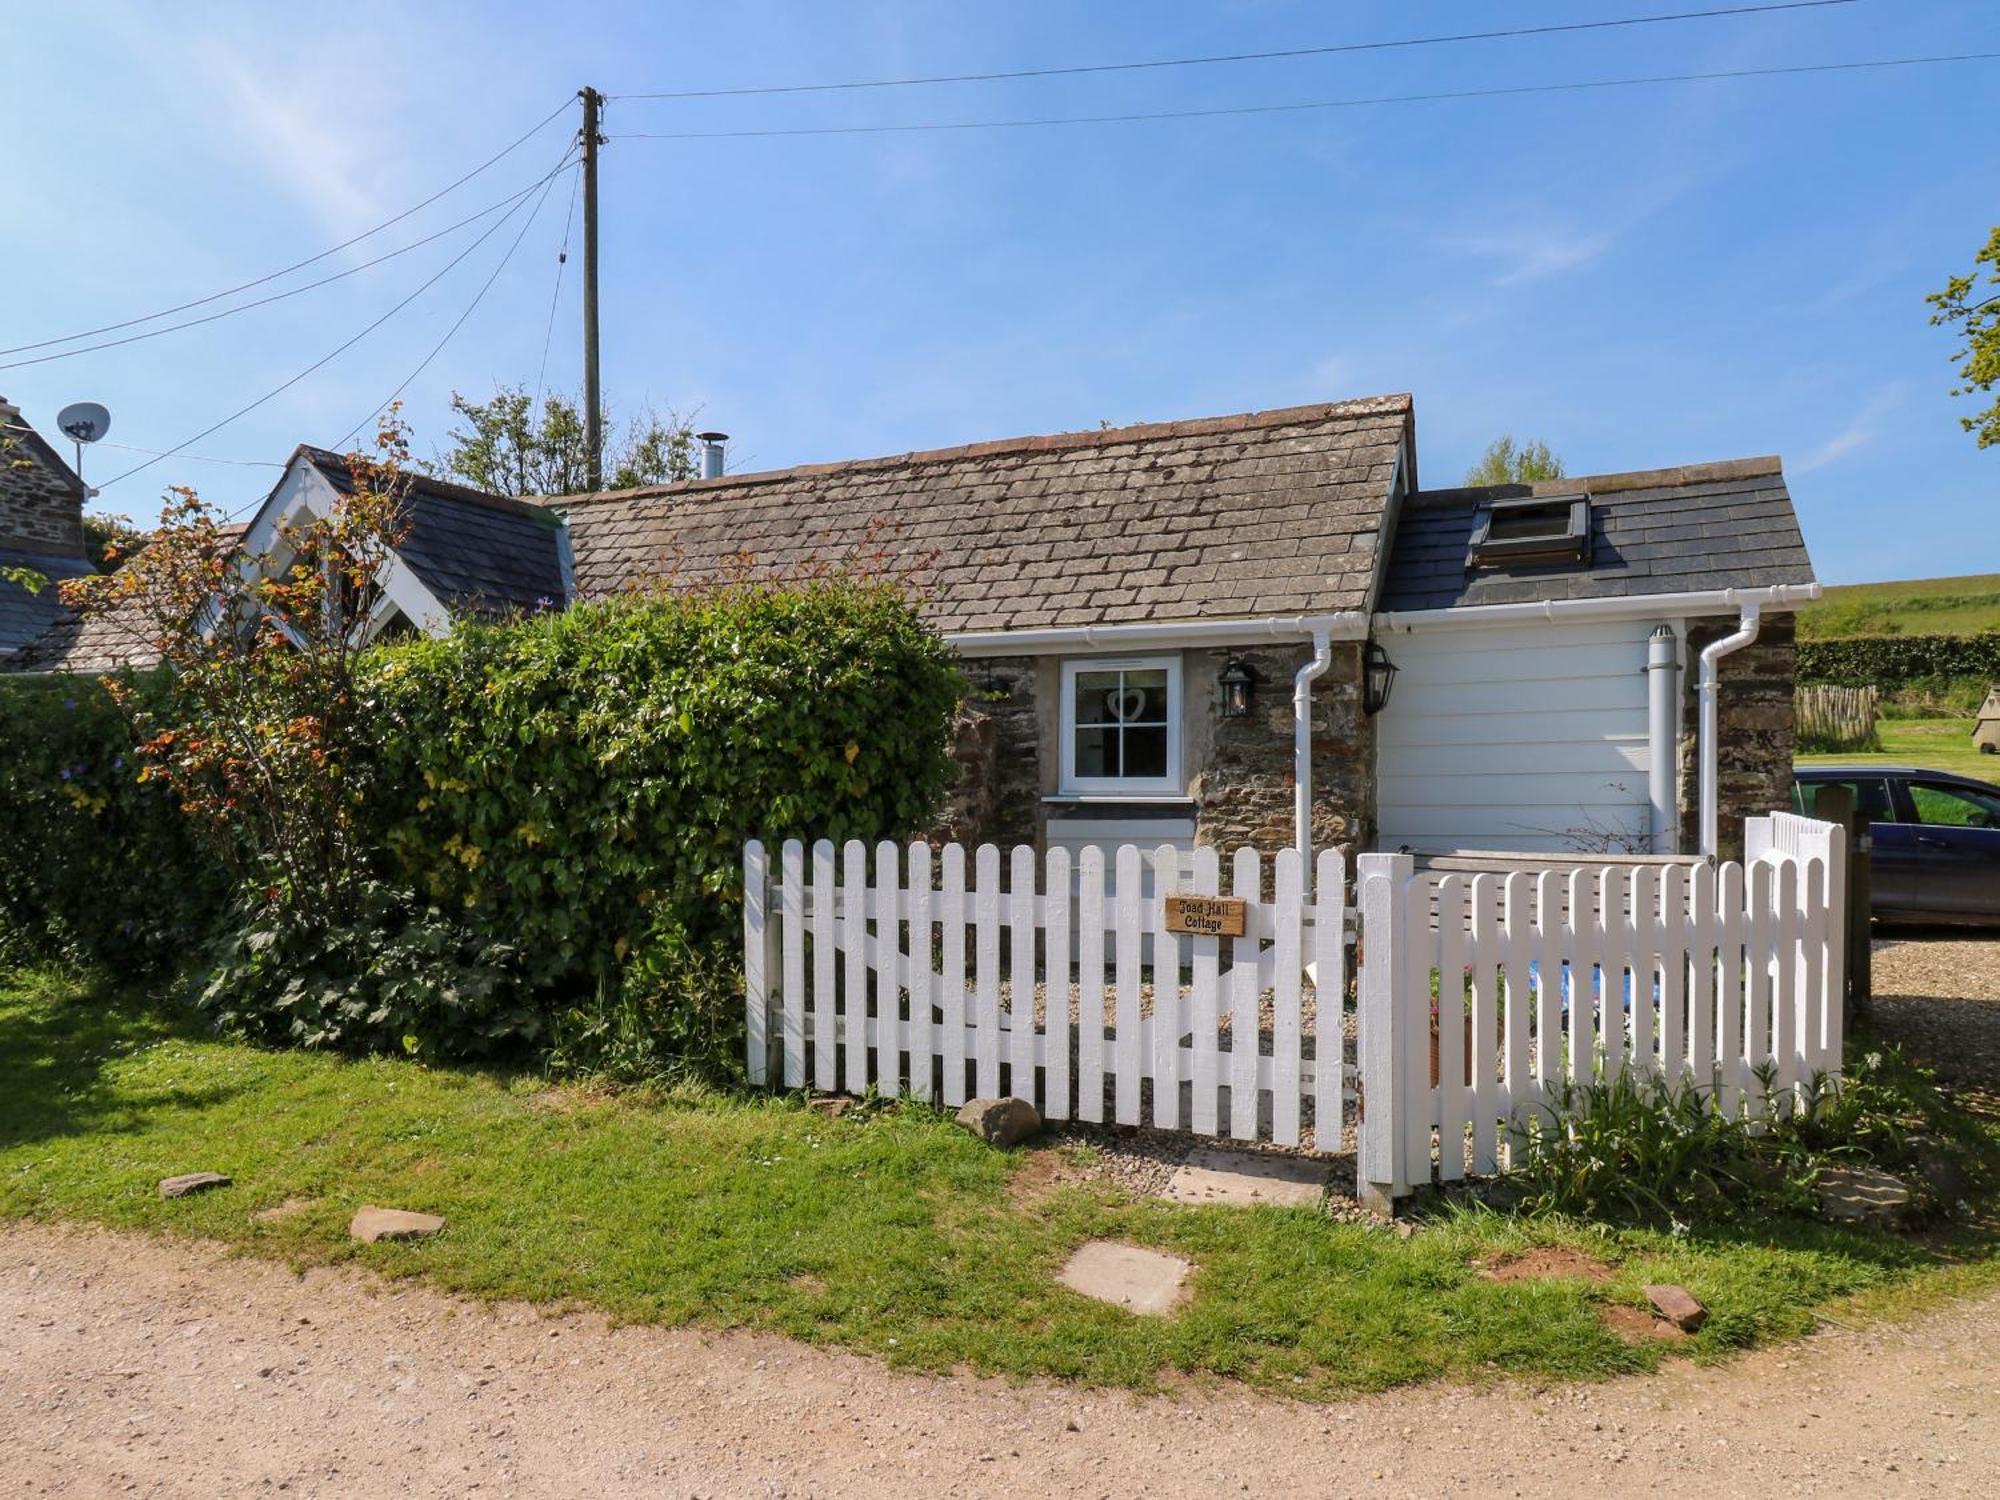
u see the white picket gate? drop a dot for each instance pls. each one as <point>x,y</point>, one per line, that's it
<point>1062,984</point>
<point>893,976</point>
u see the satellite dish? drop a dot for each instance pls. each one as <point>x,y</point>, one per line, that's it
<point>83,421</point>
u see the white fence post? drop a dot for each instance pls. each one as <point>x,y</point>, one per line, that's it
<point>1383,884</point>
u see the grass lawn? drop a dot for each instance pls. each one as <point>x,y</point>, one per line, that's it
<point>894,1233</point>
<point>1934,744</point>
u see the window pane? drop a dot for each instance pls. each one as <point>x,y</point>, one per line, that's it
<point>1954,808</point>
<point>1144,701</point>
<point>1871,798</point>
<point>1097,752</point>
<point>1146,750</point>
<point>1096,697</point>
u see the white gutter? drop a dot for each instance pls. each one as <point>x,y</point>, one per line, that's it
<point>1302,753</point>
<point>1748,621</point>
<point>1781,596</point>
<point>1347,625</point>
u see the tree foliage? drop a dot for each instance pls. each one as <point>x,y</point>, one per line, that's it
<point>1504,463</point>
<point>1977,320</point>
<point>507,447</point>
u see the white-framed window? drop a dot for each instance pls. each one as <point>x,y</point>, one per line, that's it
<point>1121,726</point>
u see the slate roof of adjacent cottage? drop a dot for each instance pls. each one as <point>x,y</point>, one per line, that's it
<point>1270,512</point>
<point>1654,531</point>
<point>25,615</point>
<point>41,491</point>
<point>477,552</point>
<point>106,642</point>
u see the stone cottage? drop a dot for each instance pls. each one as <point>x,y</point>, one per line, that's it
<point>1247,629</point>
<point>41,530</point>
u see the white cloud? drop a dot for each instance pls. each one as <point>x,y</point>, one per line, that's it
<point>1856,435</point>
<point>1532,253</point>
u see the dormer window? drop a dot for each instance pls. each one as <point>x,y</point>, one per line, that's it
<point>1533,529</point>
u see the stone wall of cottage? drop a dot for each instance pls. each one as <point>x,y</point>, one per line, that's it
<point>1755,711</point>
<point>1239,770</point>
<point>40,510</point>
<point>1242,781</point>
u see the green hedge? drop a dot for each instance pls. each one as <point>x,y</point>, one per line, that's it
<point>1887,661</point>
<point>580,785</point>
<point>94,864</point>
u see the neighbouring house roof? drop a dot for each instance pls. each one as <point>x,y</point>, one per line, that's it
<point>1265,513</point>
<point>1654,531</point>
<point>23,615</point>
<point>478,553</point>
<point>108,642</point>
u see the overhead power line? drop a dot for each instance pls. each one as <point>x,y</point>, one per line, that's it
<point>1551,29</point>
<point>300,265</point>
<point>555,293</point>
<point>241,307</point>
<point>471,307</point>
<point>1317,104</point>
<point>326,358</point>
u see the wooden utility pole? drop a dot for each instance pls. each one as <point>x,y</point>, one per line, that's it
<point>593,398</point>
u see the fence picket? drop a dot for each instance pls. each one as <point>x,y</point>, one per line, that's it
<point>1245,987</point>
<point>1584,934</point>
<point>757,926</point>
<point>1730,969</point>
<point>1021,974</point>
<point>1450,1023</point>
<point>1055,988</point>
<point>1704,924</point>
<point>1090,985</point>
<point>1784,1040</point>
<point>888,967</point>
<point>1643,939</point>
<point>1673,974</point>
<point>854,929</point>
<point>1759,958</point>
<point>1168,1011</point>
<point>792,905</point>
<point>1516,1089</point>
<point>1614,960</point>
<point>951,918</point>
<point>1125,893</point>
<point>919,978</point>
<point>986,945</point>
<point>1485,1036</point>
<point>825,955</point>
<point>1286,1038</point>
<point>1329,1002</point>
<point>1814,948</point>
<point>1548,987</point>
<point>1203,1005</point>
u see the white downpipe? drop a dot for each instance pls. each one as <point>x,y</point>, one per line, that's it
<point>1662,740</point>
<point>1302,751</point>
<point>1747,622</point>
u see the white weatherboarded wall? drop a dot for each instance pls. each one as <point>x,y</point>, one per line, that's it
<point>1515,736</point>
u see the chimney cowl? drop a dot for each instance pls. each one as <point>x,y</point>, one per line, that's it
<point>711,453</point>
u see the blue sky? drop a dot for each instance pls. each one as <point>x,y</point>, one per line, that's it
<point>1641,276</point>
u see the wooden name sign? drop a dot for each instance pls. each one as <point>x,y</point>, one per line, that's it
<point>1207,916</point>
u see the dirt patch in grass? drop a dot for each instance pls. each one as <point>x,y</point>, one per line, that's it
<point>1043,1172</point>
<point>1637,1326</point>
<point>281,1211</point>
<point>1544,1263</point>
<point>805,1281</point>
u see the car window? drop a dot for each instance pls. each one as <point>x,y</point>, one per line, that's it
<point>1871,797</point>
<point>1953,806</point>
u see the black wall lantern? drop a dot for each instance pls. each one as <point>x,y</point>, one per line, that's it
<point>1237,682</point>
<point>1379,674</point>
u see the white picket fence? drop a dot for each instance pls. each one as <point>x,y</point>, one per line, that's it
<point>894,977</point>
<point>1062,984</point>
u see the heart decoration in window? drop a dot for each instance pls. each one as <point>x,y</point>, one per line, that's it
<point>1125,704</point>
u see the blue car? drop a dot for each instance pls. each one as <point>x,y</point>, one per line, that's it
<point>1936,840</point>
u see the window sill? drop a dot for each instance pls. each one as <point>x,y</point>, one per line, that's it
<point>1128,805</point>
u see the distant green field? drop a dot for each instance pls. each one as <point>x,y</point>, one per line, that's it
<point>1916,606</point>
<point>1932,744</point>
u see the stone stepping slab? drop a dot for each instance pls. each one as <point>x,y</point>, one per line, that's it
<point>1139,1280</point>
<point>371,1224</point>
<point>1243,1179</point>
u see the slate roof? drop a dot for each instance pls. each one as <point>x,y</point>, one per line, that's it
<point>100,642</point>
<point>1270,512</point>
<point>24,616</point>
<point>478,553</point>
<point>1655,531</point>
